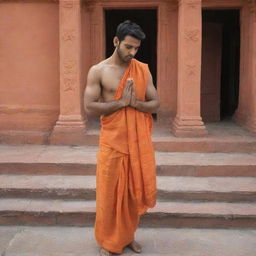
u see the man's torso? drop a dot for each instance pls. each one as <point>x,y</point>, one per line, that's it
<point>110,76</point>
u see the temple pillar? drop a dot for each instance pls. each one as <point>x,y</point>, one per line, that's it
<point>246,112</point>
<point>70,127</point>
<point>188,121</point>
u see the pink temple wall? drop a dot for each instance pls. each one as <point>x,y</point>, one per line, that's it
<point>30,61</point>
<point>29,67</point>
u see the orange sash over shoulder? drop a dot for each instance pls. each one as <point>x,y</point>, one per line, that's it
<point>126,176</point>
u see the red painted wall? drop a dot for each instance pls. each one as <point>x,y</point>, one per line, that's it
<point>29,66</point>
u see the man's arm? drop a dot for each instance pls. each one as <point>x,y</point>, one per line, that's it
<point>151,104</point>
<point>93,92</point>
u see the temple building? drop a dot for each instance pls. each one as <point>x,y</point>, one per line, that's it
<point>201,53</point>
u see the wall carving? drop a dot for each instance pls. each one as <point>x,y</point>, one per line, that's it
<point>68,51</point>
<point>68,67</point>
<point>68,35</point>
<point>191,69</point>
<point>192,35</point>
<point>69,84</point>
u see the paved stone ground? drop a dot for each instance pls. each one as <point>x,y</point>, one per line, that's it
<point>87,155</point>
<point>79,241</point>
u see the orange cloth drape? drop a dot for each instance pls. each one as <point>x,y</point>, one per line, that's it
<point>126,177</point>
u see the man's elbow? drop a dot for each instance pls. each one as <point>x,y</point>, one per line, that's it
<point>157,106</point>
<point>89,111</point>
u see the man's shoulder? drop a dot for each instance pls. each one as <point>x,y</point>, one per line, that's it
<point>99,66</point>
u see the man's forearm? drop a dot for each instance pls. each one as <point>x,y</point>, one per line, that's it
<point>147,106</point>
<point>104,108</point>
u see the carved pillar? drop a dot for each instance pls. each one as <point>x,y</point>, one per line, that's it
<point>70,127</point>
<point>246,112</point>
<point>188,121</point>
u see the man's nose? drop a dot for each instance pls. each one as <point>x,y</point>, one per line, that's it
<point>133,52</point>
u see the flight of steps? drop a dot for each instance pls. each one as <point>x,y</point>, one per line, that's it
<point>55,185</point>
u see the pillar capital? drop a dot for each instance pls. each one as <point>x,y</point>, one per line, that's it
<point>252,8</point>
<point>90,5</point>
<point>190,3</point>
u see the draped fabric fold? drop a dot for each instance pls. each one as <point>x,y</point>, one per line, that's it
<point>126,175</point>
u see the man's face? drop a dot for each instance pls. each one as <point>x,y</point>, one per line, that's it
<point>128,48</point>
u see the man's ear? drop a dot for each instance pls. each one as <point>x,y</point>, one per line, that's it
<point>115,41</point>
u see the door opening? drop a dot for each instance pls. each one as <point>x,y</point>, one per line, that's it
<point>220,64</point>
<point>147,19</point>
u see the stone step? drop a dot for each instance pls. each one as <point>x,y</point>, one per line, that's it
<point>169,188</point>
<point>31,159</point>
<point>165,214</point>
<point>225,143</point>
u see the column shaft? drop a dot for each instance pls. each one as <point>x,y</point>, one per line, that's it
<point>246,112</point>
<point>70,127</point>
<point>188,121</point>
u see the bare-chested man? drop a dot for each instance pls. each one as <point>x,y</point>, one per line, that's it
<point>104,82</point>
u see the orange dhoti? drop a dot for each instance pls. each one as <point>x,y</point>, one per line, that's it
<point>126,178</point>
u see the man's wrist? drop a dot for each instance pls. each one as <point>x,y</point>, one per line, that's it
<point>122,103</point>
<point>135,104</point>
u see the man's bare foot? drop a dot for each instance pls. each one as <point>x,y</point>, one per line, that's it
<point>135,247</point>
<point>104,252</point>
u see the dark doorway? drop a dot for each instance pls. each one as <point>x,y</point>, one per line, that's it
<point>220,63</point>
<point>147,19</point>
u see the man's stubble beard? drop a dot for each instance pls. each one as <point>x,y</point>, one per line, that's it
<point>120,55</point>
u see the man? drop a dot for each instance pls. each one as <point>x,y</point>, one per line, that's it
<point>121,90</point>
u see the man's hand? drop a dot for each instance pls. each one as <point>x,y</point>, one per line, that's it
<point>133,101</point>
<point>127,93</point>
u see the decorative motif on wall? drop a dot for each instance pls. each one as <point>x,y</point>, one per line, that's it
<point>68,67</point>
<point>68,35</point>
<point>191,69</point>
<point>192,35</point>
<point>69,72</point>
<point>69,84</point>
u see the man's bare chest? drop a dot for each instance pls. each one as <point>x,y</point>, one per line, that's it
<point>110,80</point>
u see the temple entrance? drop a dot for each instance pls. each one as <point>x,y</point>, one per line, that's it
<point>148,50</point>
<point>220,64</point>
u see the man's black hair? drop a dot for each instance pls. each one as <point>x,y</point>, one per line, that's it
<point>128,28</point>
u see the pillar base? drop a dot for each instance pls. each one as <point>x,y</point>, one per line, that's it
<point>245,121</point>
<point>69,130</point>
<point>188,127</point>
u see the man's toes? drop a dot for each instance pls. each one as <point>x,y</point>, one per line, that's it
<point>104,252</point>
<point>135,247</point>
